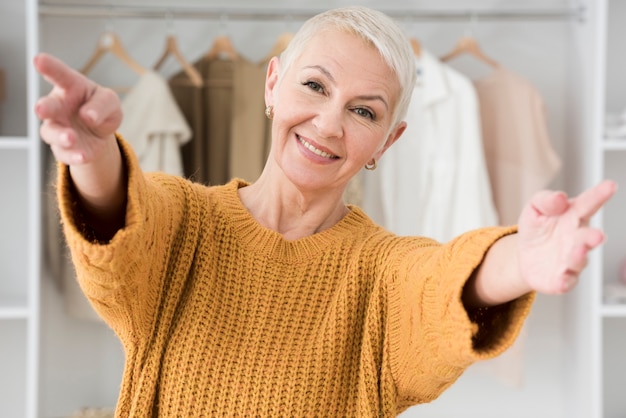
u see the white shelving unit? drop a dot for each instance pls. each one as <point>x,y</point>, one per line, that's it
<point>19,213</point>
<point>609,312</point>
<point>588,383</point>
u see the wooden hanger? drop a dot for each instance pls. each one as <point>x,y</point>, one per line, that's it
<point>222,48</point>
<point>469,45</point>
<point>279,46</point>
<point>171,48</point>
<point>416,46</point>
<point>109,42</point>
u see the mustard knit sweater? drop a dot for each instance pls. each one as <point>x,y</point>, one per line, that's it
<point>219,316</point>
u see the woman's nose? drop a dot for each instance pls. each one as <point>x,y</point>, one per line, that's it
<point>329,122</point>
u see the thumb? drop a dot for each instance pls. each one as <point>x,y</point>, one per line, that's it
<point>549,203</point>
<point>102,112</point>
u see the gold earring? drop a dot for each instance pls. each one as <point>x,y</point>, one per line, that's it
<point>269,112</point>
<point>371,165</point>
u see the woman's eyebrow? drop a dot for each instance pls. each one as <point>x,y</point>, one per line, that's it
<point>374,97</point>
<point>322,70</point>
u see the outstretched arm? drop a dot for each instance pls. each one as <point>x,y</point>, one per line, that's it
<point>79,123</point>
<point>547,254</point>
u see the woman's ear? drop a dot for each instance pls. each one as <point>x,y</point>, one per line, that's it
<point>391,138</point>
<point>271,80</point>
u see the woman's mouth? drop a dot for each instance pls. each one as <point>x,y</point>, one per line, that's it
<point>315,150</point>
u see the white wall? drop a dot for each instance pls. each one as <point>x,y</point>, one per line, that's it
<point>536,50</point>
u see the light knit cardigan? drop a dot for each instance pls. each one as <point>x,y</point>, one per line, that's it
<point>220,316</point>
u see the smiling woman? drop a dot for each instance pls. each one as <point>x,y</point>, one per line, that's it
<point>276,298</point>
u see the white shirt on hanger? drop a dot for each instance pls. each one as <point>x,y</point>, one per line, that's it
<point>154,125</point>
<point>433,181</point>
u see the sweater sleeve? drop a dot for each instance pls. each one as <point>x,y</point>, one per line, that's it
<point>432,337</point>
<point>125,278</point>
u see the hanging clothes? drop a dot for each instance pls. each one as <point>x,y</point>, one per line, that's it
<point>433,181</point>
<point>251,134</point>
<point>518,151</point>
<point>232,137</point>
<point>209,110</point>
<point>154,125</point>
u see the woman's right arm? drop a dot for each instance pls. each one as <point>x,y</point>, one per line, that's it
<point>79,123</point>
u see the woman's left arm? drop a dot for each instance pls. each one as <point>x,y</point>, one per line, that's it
<point>547,254</point>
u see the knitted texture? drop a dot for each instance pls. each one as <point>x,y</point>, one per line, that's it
<point>220,316</point>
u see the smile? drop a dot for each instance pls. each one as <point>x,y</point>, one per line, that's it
<point>315,150</point>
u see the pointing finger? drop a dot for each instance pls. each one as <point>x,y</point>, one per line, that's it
<point>56,72</point>
<point>591,200</point>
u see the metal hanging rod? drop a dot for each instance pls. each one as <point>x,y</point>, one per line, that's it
<point>179,12</point>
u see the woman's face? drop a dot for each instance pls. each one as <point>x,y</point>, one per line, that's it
<point>332,110</point>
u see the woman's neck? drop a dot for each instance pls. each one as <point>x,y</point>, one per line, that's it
<point>294,213</point>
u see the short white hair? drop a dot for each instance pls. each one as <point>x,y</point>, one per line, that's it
<point>378,30</point>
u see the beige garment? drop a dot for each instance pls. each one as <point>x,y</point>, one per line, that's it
<point>206,158</point>
<point>250,138</point>
<point>154,125</point>
<point>520,158</point>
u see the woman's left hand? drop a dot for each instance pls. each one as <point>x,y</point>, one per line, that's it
<point>554,237</point>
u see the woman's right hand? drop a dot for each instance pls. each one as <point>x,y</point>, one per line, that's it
<point>79,117</point>
<point>79,123</point>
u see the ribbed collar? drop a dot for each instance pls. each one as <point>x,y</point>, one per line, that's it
<point>266,242</point>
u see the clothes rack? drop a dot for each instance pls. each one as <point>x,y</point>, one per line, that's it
<point>576,13</point>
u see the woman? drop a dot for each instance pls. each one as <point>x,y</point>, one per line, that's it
<point>275,298</point>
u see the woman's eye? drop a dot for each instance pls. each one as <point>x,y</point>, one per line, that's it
<point>364,112</point>
<point>315,86</point>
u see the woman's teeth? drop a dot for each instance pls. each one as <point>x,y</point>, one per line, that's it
<point>315,150</point>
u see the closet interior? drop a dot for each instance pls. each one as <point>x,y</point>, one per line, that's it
<point>569,363</point>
